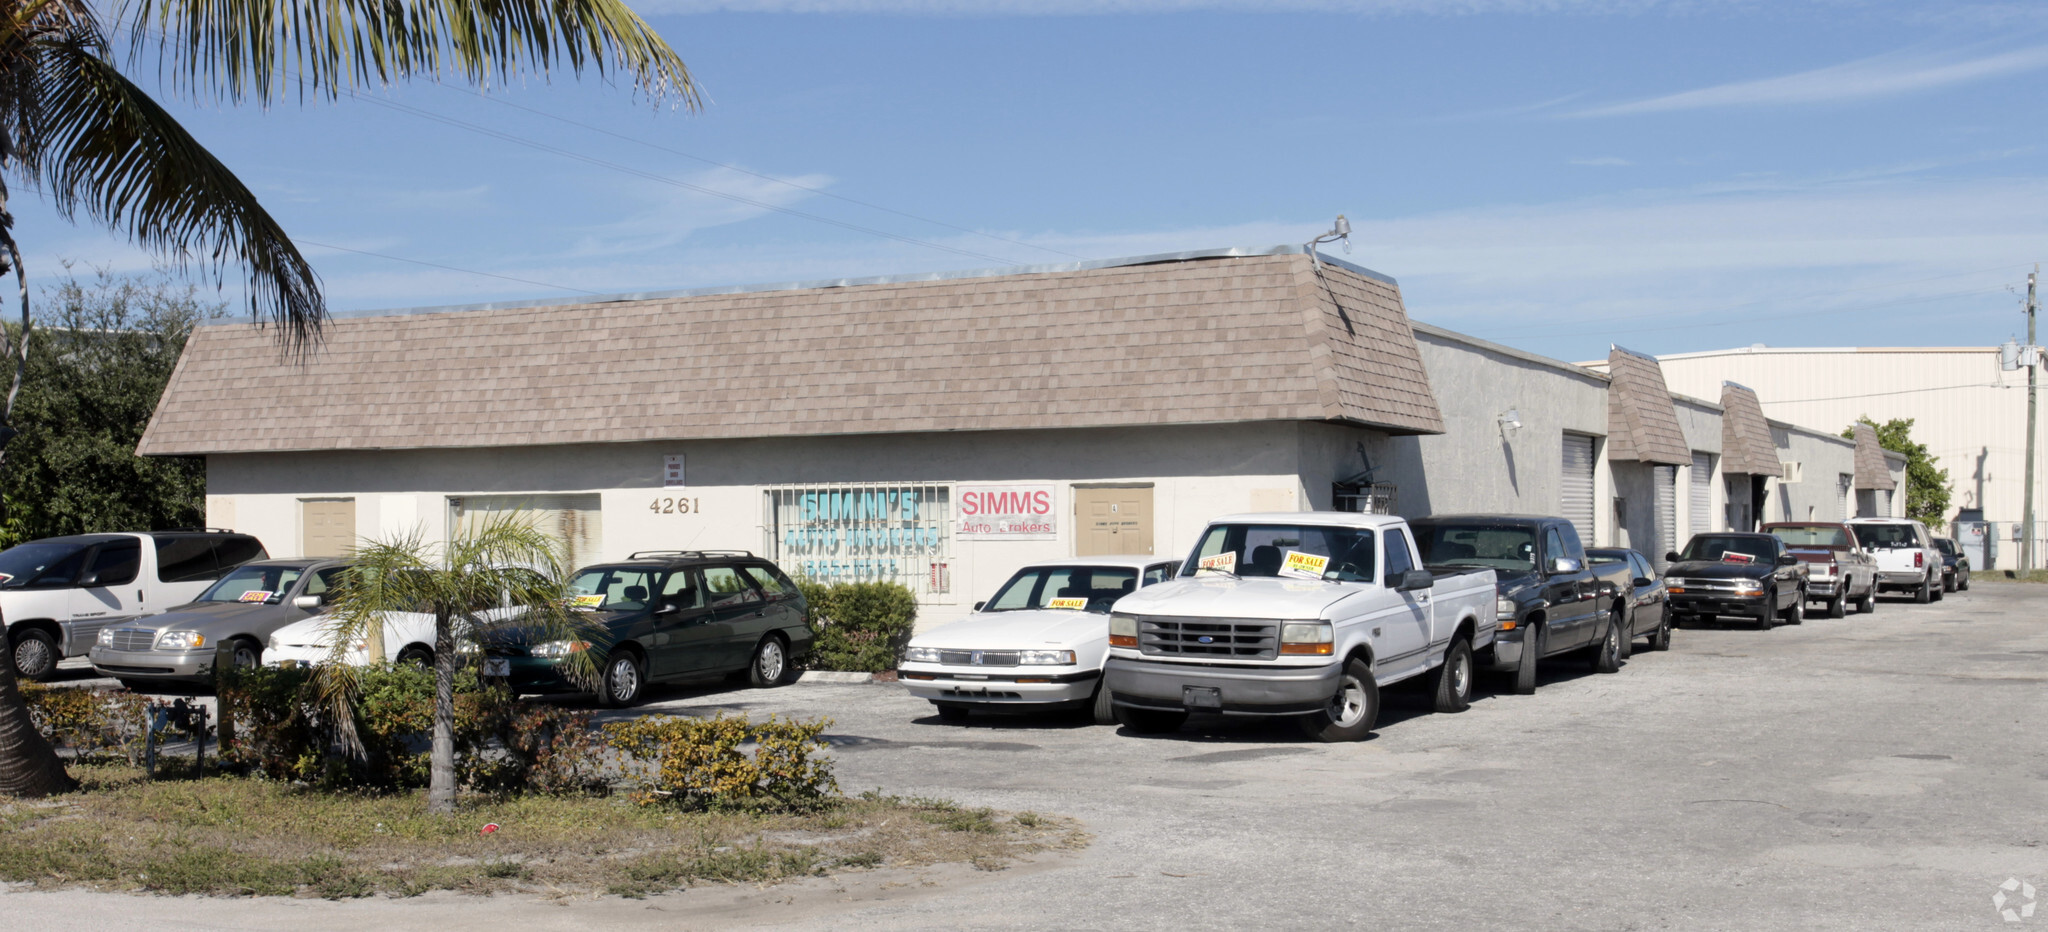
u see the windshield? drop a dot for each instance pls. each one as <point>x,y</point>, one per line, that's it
<point>40,564</point>
<point>610,588</point>
<point>1493,546</point>
<point>1303,551</point>
<point>1081,588</point>
<point>1887,536</point>
<point>1717,547</point>
<point>1812,535</point>
<point>253,583</point>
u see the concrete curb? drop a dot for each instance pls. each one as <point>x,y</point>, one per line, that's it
<point>834,676</point>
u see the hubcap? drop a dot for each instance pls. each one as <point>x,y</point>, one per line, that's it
<point>1461,676</point>
<point>31,654</point>
<point>625,679</point>
<point>245,658</point>
<point>1347,708</point>
<point>771,661</point>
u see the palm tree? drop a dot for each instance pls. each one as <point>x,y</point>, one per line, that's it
<point>503,577</point>
<point>74,127</point>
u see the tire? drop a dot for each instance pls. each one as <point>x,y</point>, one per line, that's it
<point>1838,607</point>
<point>1150,721</point>
<point>1451,683</point>
<point>1628,639</point>
<point>417,656</point>
<point>1660,639</point>
<point>1605,657</point>
<point>1352,711</point>
<point>1102,710</point>
<point>1948,582</point>
<point>624,680</point>
<point>1769,611</point>
<point>1924,594</point>
<point>34,654</point>
<point>245,654</point>
<point>1936,592</point>
<point>1525,669</point>
<point>1797,612</point>
<point>1963,584</point>
<point>953,714</point>
<point>770,666</point>
<point>1868,603</point>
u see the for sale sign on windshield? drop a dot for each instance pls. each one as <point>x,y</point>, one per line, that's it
<point>1304,565</point>
<point>1006,512</point>
<point>1733,557</point>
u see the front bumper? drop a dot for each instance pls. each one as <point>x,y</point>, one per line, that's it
<point>1243,690</point>
<point>1719,603</point>
<point>1506,652</point>
<point>1007,686</point>
<point>154,664</point>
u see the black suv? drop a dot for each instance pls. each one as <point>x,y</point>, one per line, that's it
<point>671,615</point>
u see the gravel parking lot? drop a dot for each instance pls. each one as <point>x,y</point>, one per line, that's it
<point>1879,771</point>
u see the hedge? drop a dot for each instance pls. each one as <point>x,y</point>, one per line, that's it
<point>861,627</point>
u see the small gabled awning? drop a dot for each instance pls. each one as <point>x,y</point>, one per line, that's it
<point>1642,421</point>
<point>1872,472</point>
<point>1746,444</point>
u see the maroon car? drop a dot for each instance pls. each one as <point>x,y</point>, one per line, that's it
<point>1839,571</point>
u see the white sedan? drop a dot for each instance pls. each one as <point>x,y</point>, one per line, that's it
<point>408,638</point>
<point>1039,644</point>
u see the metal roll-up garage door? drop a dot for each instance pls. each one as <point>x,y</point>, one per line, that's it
<point>1576,487</point>
<point>1701,515</point>
<point>572,519</point>
<point>1665,478</point>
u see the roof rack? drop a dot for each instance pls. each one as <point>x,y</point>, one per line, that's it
<point>639,554</point>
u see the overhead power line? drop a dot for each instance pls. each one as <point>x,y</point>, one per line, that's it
<point>437,265</point>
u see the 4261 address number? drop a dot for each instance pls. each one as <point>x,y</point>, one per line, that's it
<point>676,506</point>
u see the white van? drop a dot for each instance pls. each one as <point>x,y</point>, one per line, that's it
<point>57,593</point>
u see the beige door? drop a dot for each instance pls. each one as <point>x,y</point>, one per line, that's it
<point>1115,520</point>
<point>327,527</point>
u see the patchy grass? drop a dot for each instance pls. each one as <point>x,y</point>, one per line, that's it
<point>2031,576</point>
<point>241,837</point>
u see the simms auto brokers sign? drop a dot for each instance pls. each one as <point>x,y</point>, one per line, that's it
<point>1005,512</point>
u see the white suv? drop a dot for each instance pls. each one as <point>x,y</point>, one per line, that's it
<point>1906,558</point>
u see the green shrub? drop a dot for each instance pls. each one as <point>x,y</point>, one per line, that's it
<point>273,723</point>
<point>698,762</point>
<point>90,722</point>
<point>862,626</point>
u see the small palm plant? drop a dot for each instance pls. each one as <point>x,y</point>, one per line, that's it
<point>502,576</point>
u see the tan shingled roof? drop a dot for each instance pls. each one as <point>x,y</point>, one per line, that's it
<point>1746,444</point>
<point>1872,472</point>
<point>1242,338</point>
<point>1642,421</point>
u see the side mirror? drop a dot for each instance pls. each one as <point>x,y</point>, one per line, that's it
<point>1645,581</point>
<point>306,602</point>
<point>1671,556</point>
<point>87,580</point>
<point>978,605</point>
<point>1786,559</point>
<point>1565,565</point>
<point>667,608</point>
<point>1415,579</point>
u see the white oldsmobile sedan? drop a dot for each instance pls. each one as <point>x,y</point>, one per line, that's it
<point>1038,645</point>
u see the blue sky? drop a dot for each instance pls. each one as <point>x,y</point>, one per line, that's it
<point>1554,175</point>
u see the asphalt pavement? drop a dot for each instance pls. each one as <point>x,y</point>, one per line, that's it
<point>1879,771</point>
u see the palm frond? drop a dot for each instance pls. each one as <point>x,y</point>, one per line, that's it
<point>97,143</point>
<point>238,49</point>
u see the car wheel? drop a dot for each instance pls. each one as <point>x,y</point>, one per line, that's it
<point>1938,591</point>
<point>1838,607</point>
<point>245,654</point>
<point>953,714</point>
<point>1606,655</point>
<point>1948,582</point>
<point>1868,603</point>
<point>1525,669</point>
<point>1925,593</point>
<point>35,654</point>
<point>771,663</point>
<point>1352,711</point>
<point>1963,584</point>
<point>1660,639</point>
<point>1768,611</point>
<point>1452,682</point>
<point>1797,612</point>
<point>1150,721</point>
<point>625,680</point>
<point>1102,710</point>
<point>1628,639</point>
<point>416,656</point>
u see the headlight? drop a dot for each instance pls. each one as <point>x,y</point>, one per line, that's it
<point>180,640</point>
<point>1038,657</point>
<point>922,655</point>
<point>560,648</point>
<point>106,635</point>
<point>1305,637</point>
<point>1504,608</point>
<point>1123,630</point>
<point>273,643</point>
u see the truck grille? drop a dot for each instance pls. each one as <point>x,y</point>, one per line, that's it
<point>133,639</point>
<point>978,658</point>
<point>1201,637</point>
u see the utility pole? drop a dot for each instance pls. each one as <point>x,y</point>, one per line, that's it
<point>2027,516</point>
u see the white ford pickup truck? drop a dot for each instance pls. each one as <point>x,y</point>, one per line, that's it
<point>1304,614</point>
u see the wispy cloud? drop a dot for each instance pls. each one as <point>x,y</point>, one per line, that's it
<point>1887,75</point>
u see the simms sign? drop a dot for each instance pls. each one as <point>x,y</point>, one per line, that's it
<point>1005,512</point>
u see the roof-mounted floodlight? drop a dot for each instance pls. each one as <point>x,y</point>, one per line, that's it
<point>1341,231</point>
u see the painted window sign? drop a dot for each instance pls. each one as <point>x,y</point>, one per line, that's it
<point>850,533</point>
<point>1007,512</point>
